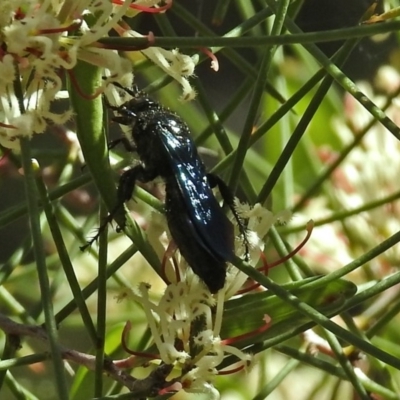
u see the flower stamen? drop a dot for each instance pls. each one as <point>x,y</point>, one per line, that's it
<point>72,27</point>
<point>151,10</point>
<point>169,255</point>
<point>260,329</point>
<point>124,340</point>
<point>212,56</point>
<point>232,371</point>
<point>75,83</point>
<point>8,126</point>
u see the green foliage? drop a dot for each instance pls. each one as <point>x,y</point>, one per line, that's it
<point>284,127</point>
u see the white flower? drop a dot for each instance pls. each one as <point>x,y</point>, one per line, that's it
<point>186,322</point>
<point>194,349</point>
<point>259,222</point>
<point>38,44</point>
<point>369,173</point>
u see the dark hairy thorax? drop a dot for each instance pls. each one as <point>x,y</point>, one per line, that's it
<point>147,136</point>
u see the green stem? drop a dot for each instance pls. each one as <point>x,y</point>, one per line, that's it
<point>101,309</point>
<point>301,127</point>
<point>314,315</point>
<point>256,98</point>
<point>259,41</point>
<point>343,80</point>
<point>65,259</point>
<point>38,249</point>
<point>93,286</point>
<point>277,380</point>
<point>342,215</point>
<point>346,365</point>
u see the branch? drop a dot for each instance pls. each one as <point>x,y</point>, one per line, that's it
<point>147,387</point>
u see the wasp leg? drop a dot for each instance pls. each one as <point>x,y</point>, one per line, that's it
<point>133,92</point>
<point>128,180</point>
<point>126,185</point>
<point>215,180</point>
<point>128,145</point>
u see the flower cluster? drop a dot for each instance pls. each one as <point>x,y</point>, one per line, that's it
<point>186,322</point>
<point>42,39</point>
<point>368,174</point>
<point>186,336</point>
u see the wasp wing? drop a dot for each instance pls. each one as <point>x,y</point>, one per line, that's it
<point>213,228</point>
